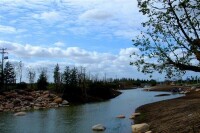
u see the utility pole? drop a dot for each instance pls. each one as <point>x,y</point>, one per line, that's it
<point>2,52</point>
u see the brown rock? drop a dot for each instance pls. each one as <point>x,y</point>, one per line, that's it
<point>38,105</point>
<point>29,98</point>
<point>58,100</point>
<point>11,95</point>
<point>46,92</point>
<point>9,106</point>
<point>36,108</point>
<point>45,96</point>
<point>140,128</point>
<point>17,102</point>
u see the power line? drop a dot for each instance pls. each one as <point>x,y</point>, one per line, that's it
<point>2,52</point>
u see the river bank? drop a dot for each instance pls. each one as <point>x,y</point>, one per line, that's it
<point>179,115</point>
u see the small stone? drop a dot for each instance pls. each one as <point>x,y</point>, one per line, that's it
<point>132,117</point>
<point>121,116</point>
<point>20,114</point>
<point>98,127</point>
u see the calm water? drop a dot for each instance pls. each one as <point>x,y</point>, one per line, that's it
<point>80,118</point>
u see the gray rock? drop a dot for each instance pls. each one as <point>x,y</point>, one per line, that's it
<point>140,128</point>
<point>98,127</point>
<point>36,108</point>
<point>65,102</point>
<point>20,114</point>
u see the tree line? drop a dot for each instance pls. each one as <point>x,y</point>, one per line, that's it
<point>73,83</point>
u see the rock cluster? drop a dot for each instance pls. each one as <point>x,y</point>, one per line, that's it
<point>21,100</point>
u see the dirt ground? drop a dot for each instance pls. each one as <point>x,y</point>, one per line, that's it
<point>180,115</point>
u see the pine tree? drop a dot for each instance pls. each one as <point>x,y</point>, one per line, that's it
<point>66,77</point>
<point>57,76</point>
<point>42,81</point>
<point>74,78</point>
<point>9,74</point>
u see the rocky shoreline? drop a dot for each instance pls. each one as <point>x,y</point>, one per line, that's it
<point>22,100</point>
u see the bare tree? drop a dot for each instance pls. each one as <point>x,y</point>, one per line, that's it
<point>31,76</point>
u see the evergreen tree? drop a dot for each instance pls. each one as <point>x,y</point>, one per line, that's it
<point>66,77</point>
<point>9,74</point>
<point>74,78</point>
<point>57,76</point>
<point>42,81</point>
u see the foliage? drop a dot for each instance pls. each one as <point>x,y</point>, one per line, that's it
<point>170,42</point>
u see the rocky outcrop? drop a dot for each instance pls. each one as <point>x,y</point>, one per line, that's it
<point>21,100</point>
<point>140,128</point>
<point>98,127</point>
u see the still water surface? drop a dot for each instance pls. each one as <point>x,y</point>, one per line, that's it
<point>80,118</point>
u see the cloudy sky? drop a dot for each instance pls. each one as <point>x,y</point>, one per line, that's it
<point>95,34</point>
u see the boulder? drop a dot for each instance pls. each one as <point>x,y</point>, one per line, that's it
<point>132,117</point>
<point>140,128</point>
<point>36,108</point>
<point>197,90</point>
<point>58,100</point>
<point>17,102</point>
<point>98,127</point>
<point>22,92</point>
<point>46,95</point>
<point>38,105</point>
<point>11,95</point>
<point>65,102</point>
<point>121,116</point>
<point>9,106</point>
<point>136,114</point>
<point>148,132</point>
<point>193,88</point>
<point>20,114</point>
<point>39,99</point>
<point>46,92</point>
<point>29,98</point>
<point>53,104</point>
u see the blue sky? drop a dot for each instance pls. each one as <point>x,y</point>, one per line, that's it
<point>95,34</point>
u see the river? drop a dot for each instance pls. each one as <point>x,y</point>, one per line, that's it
<point>80,118</point>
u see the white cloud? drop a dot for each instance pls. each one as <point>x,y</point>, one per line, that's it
<point>95,14</point>
<point>7,29</point>
<point>52,16</point>
<point>59,44</point>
